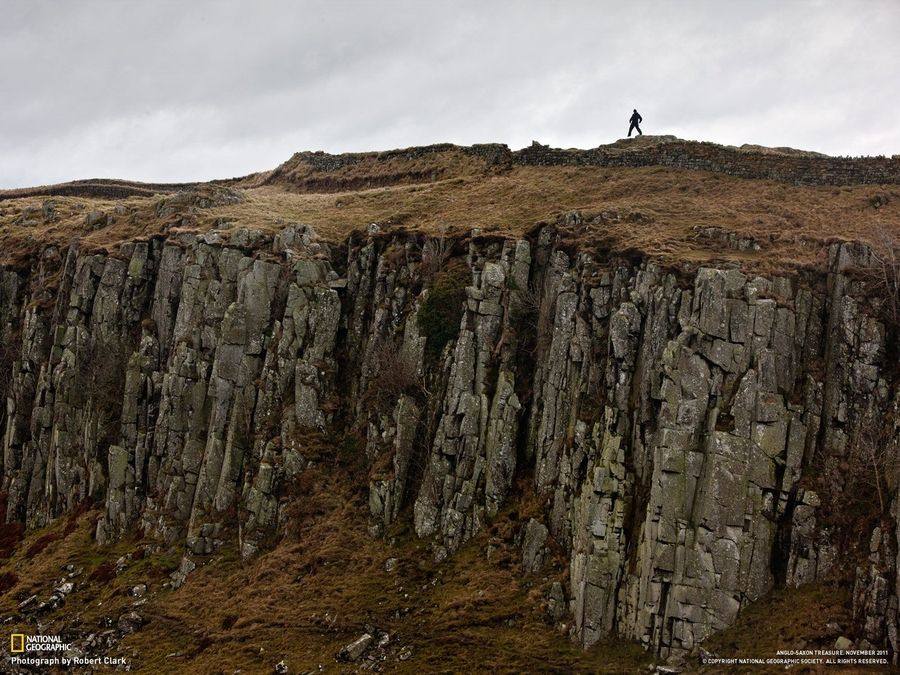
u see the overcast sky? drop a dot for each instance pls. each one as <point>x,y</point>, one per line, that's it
<point>169,91</point>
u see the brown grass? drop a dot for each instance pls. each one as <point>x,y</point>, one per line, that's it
<point>307,598</point>
<point>21,242</point>
<point>316,592</point>
<point>319,172</point>
<point>791,618</point>
<point>319,589</point>
<point>654,210</point>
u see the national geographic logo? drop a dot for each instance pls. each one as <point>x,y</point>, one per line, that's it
<point>20,643</point>
<point>17,643</point>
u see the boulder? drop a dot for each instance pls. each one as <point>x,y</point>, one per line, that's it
<point>354,651</point>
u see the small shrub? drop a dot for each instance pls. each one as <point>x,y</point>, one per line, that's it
<point>874,454</point>
<point>41,543</point>
<point>398,373</point>
<point>80,509</point>
<point>886,279</point>
<point>10,533</point>
<point>856,487</point>
<point>440,315</point>
<point>103,573</point>
<point>10,536</point>
<point>9,353</point>
<point>532,322</point>
<point>395,257</point>
<point>881,278</point>
<point>100,379</point>
<point>7,581</point>
<point>435,254</point>
<point>525,310</point>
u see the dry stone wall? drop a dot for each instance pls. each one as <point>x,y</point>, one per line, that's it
<point>671,427</point>
<point>791,167</point>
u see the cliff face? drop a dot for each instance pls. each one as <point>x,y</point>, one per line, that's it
<point>685,435</point>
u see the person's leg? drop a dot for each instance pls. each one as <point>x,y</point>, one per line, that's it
<point>630,129</point>
<point>640,133</point>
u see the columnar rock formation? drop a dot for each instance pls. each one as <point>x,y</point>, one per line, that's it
<point>671,423</point>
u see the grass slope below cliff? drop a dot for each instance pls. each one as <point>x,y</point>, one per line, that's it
<point>316,591</point>
<point>327,581</point>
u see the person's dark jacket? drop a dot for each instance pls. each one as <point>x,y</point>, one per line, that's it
<point>636,119</point>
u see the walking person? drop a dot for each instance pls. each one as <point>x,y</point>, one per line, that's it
<point>636,119</point>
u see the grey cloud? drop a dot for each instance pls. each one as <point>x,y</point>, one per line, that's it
<point>180,91</point>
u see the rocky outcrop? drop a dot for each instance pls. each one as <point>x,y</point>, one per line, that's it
<point>470,467</point>
<point>674,428</point>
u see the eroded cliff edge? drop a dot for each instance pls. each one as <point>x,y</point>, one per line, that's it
<point>689,436</point>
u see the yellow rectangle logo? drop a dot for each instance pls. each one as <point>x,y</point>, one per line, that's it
<point>17,643</point>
